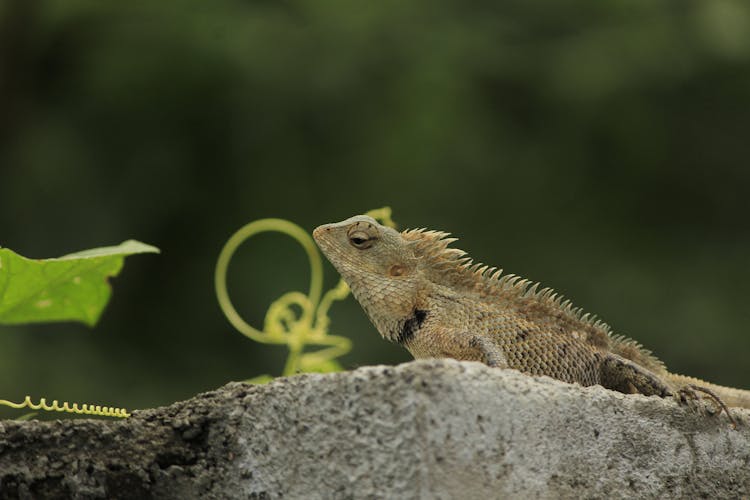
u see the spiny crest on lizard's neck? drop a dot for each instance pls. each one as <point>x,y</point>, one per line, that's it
<point>453,268</point>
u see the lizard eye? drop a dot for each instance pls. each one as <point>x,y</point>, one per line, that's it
<point>361,240</point>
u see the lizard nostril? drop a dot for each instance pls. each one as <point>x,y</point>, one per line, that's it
<point>320,230</point>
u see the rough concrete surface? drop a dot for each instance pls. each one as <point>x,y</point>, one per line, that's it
<point>425,429</point>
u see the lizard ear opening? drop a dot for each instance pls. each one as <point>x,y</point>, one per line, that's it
<point>396,270</point>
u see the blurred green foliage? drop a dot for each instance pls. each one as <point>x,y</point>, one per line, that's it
<point>599,147</point>
<point>295,320</point>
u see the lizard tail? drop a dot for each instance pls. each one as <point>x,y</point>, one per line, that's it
<point>738,398</point>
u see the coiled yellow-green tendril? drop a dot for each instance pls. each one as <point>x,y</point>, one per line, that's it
<point>101,411</point>
<point>282,324</point>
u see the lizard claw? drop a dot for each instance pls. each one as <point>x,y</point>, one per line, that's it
<point>692,391</point>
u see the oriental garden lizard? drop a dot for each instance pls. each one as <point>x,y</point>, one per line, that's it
<point>433,300</point>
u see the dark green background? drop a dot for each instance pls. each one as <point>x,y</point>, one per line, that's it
<point>600,147</point>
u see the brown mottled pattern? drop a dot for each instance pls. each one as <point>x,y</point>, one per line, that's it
<point>437,302</point>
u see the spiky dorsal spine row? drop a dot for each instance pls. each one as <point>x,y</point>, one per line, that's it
<point>455,267</point>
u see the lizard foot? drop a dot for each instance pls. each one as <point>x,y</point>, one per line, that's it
<point>692,391</point>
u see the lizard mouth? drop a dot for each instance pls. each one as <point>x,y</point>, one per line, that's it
<point>326,238</point>
<point>323,236</point>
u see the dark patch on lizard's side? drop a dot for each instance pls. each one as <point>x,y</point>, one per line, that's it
<point>410,326</point>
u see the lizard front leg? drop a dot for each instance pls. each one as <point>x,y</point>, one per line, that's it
<point>457,344</point>
<point>490,353</point>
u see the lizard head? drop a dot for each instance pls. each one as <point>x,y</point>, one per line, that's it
<point>379,266</point>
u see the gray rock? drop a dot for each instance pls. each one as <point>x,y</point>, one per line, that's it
<point>425,429</point>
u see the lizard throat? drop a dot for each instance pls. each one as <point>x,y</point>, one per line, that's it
<point>409,327</point>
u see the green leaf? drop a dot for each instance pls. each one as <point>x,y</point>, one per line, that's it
<point>70,288</point>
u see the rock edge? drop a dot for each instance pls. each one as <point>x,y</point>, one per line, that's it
<point>429,429</point>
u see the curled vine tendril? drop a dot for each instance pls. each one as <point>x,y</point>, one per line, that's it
<point>282,324</point>
<point>101,411</point>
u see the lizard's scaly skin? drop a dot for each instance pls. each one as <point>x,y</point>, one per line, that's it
<point>436,302</point>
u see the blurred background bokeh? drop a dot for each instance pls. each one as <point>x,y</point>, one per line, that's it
<point>601,147</point>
